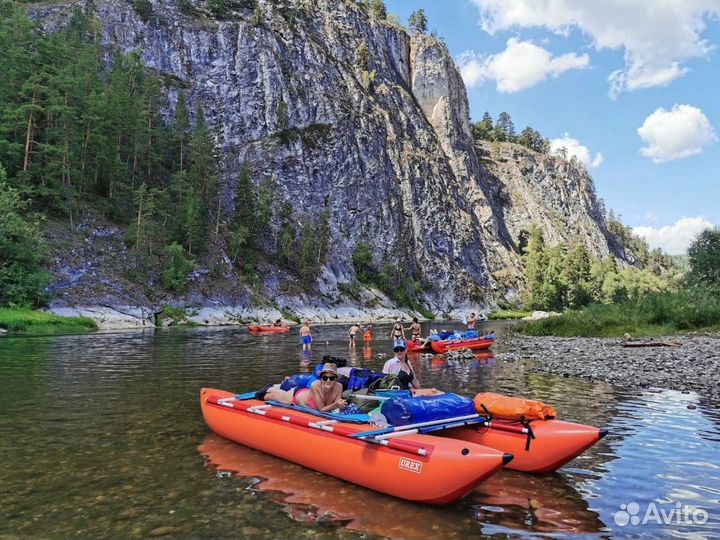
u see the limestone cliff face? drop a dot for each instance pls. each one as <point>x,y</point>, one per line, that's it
<point>556,195</point>
<point>393,162</point>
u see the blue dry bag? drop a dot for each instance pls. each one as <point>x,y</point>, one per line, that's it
<point>300,380</point>
<point>403,411</point>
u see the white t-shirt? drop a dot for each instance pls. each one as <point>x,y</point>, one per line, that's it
<point>392,366</point>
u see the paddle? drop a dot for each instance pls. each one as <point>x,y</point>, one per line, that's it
<point>413,426</point>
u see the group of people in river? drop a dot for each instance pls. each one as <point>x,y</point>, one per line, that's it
<point>325,393</point>
<point>366,330</point>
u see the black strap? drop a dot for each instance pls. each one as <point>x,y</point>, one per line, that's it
<point>530,435</point>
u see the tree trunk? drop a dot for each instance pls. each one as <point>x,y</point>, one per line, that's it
<point>28,135</point>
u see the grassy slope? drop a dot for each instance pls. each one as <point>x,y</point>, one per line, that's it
<point>653,315</point>
<point>20,320</point>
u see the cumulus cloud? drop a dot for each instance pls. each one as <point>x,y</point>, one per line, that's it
<point>676,134</point>
<point>574,148</point>
<point>655,37</point>
<point>674,239</point>
<point>521,65</point>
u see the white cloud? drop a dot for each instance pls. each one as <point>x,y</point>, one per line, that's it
<point>669,135</point>
<point>521,65</point>
<point>574,148</point>
<point>650,215</point>
<point>656,37</point>
<point>674,239</point>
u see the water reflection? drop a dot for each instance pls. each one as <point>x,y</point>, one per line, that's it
<point>510,500</point>
<point>547,504</point>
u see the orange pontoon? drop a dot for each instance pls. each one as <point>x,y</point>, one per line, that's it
<point>416,346</point>
<point>550,446</point>
<point>415,467</point>
<point>478,344</point>
<point>268,329</point>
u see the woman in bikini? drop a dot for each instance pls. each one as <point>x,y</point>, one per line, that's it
<point>398,331</point>
<point>354,329</point>
<point>325,394</point>
<point>416,330</point>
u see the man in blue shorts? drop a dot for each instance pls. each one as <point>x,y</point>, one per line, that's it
<point>306,335</point>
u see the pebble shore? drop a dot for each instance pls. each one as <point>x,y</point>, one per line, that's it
<point>693,366</point>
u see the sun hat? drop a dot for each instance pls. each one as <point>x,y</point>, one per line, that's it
<point>399,345</point>
<point>328,368</point>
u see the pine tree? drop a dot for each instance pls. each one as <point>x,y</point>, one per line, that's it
<point>362,56</point>
<point>286,243</point>
<point>504,128</point>
<point>323,237</point>
<point>482,130</point>
<point>22,277</point>
<point>418,22</point>
<point>535,268</point>
<point>180,130</point>
<point>378,9</point>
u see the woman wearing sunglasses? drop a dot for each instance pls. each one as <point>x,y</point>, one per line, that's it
<point>325,394</point>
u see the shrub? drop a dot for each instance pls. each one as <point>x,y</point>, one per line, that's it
<point>177,268</point>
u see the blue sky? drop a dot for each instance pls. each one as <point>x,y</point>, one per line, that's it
<point>629,86</point>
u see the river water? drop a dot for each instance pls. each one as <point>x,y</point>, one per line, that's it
<point>101,436</point>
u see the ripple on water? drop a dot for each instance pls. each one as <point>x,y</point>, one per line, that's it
<point>101,436</point>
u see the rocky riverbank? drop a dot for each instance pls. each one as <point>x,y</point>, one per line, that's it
<point>693,366</point>
<point>126,317</point>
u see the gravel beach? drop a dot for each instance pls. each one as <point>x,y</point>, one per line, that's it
<point>693,366</point>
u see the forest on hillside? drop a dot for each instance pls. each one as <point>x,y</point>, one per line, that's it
<point>83,129</point>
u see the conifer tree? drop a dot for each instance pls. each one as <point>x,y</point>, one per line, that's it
<point>418,22</point>
<point>482,130</point>
<point>504,128</point>
<point>535,268</point>
<point>180,129</point>
<point>22,277</point>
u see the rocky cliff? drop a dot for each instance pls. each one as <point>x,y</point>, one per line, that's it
<point>382,143</point>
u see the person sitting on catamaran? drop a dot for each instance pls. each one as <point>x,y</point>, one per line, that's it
<point>324,394</point>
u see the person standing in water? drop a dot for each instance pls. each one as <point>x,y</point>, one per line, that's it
<point>398,331</point>
<point>354,329</point>
<point>416,330</point>
<point>306,336</point>
<point>367,334</point>
<point>472,319</point>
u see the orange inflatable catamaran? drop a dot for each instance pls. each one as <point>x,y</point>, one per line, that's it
<point>405,464</point>
<point>476,344</point>
<point>267,329</point>
<point>409,461</point>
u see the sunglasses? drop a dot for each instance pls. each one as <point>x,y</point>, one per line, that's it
<point>328,377</point>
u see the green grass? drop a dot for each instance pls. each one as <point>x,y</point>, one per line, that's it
<point>179,317</point>
<point>653,315</point>
<point>289,315</point>
<point>27,321</point>
<point>509,314</point>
